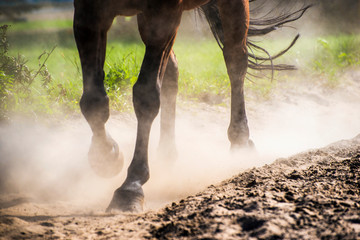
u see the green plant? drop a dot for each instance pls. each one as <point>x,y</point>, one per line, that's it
<point>119,79</point>
<point>37,25</point>
<point>335,54</point>
<point>202,70</point>
<point>17,78</point>
<point>6,88</point>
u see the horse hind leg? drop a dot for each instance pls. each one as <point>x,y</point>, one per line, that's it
<point>90,35</point>
<point>235,22</point>
<point>169,89</point>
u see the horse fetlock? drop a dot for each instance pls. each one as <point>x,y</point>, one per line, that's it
<point>238,134</point>
<point>246,145</point>
<point>137,173</point>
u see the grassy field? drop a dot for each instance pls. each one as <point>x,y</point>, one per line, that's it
<point>201,65</point>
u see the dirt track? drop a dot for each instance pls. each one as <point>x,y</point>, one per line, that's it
<point>312,195</point>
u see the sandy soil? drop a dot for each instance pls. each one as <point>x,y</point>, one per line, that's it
<point>48,191</point>
<point>311,195</point>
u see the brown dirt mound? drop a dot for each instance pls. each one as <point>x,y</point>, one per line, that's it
<point>312,195</point>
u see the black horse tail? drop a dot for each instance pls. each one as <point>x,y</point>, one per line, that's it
<point>258,27</point>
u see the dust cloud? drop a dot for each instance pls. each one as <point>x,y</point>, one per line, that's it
<point>49,162</point>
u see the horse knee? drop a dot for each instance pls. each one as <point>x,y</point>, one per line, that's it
<point>95,108</point>
<point>146,100</point>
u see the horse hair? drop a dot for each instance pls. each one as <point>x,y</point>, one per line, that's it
<point>258,27</point>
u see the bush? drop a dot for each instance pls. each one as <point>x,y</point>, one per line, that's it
<point>16,78</point>
<point>119,79</point>
<point>335,54</point>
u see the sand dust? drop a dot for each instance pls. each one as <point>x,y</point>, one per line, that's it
<point>48,189</point>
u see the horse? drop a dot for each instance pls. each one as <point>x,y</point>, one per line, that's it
<point>157,83</point>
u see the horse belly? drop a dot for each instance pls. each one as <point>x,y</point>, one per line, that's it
<point>191,4</point>
<point>127,7</point>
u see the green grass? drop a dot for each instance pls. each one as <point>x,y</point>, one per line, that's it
<point>39,25</point>
<point>334,54</point>
<point>201,68</point>
<point>201,65</point>
<point>121,68</point>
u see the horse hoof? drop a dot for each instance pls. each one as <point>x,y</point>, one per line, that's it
<point>248,145</point>
<point>126,201</point>
<point>105,158</point>
<point>251,144</point>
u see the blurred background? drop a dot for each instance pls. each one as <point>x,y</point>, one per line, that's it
<point>337,14</point>
<point>39,38</point>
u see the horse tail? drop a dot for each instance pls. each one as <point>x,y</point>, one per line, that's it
<point>258,27</point>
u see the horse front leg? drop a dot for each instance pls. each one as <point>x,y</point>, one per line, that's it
<point>90,30</point>
<point>235,22</point>
<point>158,31</point>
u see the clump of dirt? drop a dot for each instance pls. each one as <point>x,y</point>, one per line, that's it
<point>312,195</point>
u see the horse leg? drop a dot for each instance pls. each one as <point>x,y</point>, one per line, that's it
<point>169,89</point>
<point>90,32</point>
<point>235,21</point>
<point>158,29</point>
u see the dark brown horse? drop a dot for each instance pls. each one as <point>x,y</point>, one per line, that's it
<point>158,22</point>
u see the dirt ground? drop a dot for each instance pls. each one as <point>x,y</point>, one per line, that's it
<point>311,195</point>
